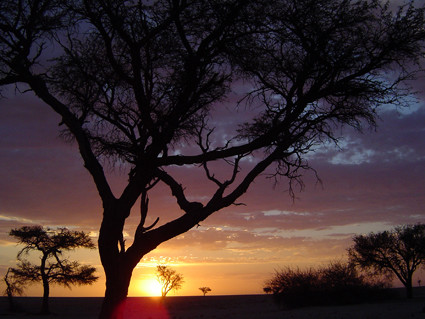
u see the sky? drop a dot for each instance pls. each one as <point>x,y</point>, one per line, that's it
<point>373,182</point>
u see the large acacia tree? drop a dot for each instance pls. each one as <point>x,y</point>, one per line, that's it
<point>141,83</point>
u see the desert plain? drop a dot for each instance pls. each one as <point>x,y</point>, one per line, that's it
<point>208,307</point>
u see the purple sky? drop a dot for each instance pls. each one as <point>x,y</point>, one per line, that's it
<point>374,182</point>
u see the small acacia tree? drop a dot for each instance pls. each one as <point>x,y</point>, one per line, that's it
<point>205,290</point>
<point>398,252</point>
<point>14,287</point>
<point>143,83</point>
<point>169,279</point>
<point>53,267</point>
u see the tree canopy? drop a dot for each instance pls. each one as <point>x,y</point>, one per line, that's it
<point>141,84</point>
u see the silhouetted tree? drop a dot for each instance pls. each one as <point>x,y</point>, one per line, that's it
<point>14,286</point>
<point>53,268</point>
<point>205,290</point>
<point>268,289</point>
<point>169,279</point>
<point>398,252</point>
<point>141,83</point>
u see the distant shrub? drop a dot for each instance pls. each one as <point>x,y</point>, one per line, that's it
<point>336,284</point>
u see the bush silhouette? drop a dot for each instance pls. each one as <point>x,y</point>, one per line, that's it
<point>336,284</point>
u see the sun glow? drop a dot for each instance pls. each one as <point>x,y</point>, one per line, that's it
<point>150,287</point>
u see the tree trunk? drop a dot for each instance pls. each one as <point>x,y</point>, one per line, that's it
<point>119,263</point>
<point>117,268</point>
<point>117,284</point>
<point>409,289</point>
<point>11,302</point>
<point>46,289</point>
<point>118,277</point>
<point>45,303</point>
<point>113,304</point>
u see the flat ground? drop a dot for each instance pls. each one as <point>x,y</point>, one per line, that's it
<point>233,307</point>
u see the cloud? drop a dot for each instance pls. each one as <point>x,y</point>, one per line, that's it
<point>241,246</point>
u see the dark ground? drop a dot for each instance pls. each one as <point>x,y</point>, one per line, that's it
<point>208,307</point>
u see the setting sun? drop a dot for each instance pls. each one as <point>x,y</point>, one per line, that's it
<point>150,287</point>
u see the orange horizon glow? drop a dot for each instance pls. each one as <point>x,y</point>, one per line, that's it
<point>227,277</point>
<point>149,287</point>
<point>230,279</point>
